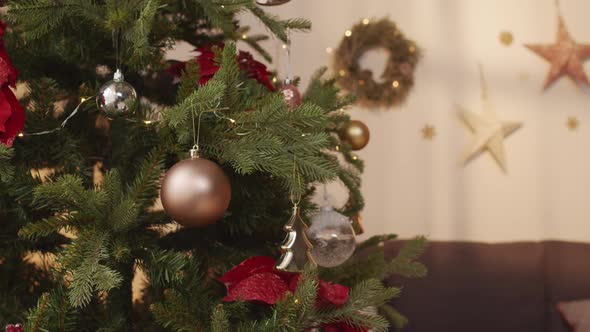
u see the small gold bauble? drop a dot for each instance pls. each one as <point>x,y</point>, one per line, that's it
<point>506,38</point>
<point>356,134</point>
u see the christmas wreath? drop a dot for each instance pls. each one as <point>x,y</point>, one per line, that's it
<point>397,78</point>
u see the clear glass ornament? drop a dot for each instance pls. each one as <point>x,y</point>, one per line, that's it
<point>332,237</point>
<point>117,97</point>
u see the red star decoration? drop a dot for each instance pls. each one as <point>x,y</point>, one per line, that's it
<point>566,56</point>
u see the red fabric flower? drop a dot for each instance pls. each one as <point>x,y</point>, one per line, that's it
<point>14,328</point>
<point>256,279</point>
<point>342,327</point>
<point>12,115</point>
<point>208,67</point>
<point>329,294</point>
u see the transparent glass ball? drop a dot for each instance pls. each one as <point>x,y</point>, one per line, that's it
<point>332,237</point>
<point>117,97</point>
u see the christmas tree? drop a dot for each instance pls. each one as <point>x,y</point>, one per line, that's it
<point>79,184</point>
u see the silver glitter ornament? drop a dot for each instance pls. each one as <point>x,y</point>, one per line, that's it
<point>117,97</point>
<point>271,2</point>
<point>332,237</point>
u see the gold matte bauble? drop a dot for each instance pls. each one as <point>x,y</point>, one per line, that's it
<point>195,192</point>
<point>356,134</point>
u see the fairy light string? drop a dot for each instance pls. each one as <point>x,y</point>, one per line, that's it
<point>64,122</point>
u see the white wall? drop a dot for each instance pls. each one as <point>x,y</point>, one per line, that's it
<point>413,186</point>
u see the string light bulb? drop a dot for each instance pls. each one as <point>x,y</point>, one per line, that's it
<point>348,33</point>
<point>395,84</point>
<point>366,21</point>
<point>21,135</point>
<point>244,36</point>
<point>147,122</point>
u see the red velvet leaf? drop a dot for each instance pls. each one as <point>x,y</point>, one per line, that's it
<point>328,293</point>
<point>264,287</point>
<point>15,123</point>
<point>341,327</point>
<point>331,294</point>
<point>249,267</point>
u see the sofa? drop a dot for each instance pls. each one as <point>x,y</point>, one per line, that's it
<point>503,287</point>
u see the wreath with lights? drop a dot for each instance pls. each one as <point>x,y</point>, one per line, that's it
<point>397,78</point>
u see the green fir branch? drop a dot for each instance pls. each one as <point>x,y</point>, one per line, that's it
<point>145,188</point>
<point>220,320</point>
<point>404,263</point>
<point>398,320</point>
<point>6,169</point>
<point>36,230</point>
<point>138,36</point>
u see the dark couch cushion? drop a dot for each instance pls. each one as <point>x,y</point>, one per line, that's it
<point>475,287</point>
<point>567,277</point>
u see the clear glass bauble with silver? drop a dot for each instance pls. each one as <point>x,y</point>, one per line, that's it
<point>117,98</point>
<point>332,237</point>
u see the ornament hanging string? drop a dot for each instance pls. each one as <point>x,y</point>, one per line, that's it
<point>116,46</point>
<point>288,51</point>
<point>197,130</point>
<point>295,200</point>
<point>63,124</point>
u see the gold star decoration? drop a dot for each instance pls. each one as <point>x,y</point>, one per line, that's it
<point>489,133</point>
<point>428,132</point>
<point>565,56</point>
<point>572,123</point>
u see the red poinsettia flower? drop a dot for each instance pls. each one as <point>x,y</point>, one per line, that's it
<point>14,328</point>
<point>341,327</point>
<point>208,67</point>
<point>12,115</point>
<point>329,294</point>
<point>256,279</point>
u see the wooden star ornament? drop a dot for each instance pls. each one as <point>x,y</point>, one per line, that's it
<point>566,56</point>
<point>489,133</point>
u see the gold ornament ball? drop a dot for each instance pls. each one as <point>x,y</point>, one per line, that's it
<point>196,192</point>
<point>506,38</point>
<point>356,134</point>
